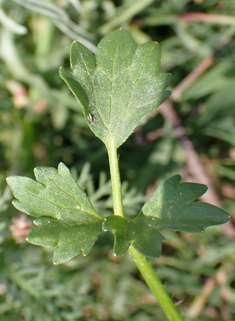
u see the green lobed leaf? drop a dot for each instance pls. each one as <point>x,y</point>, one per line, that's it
<point>65,217</point>
<point>118,86</point>
<point>172,207</point>
<point>145,238</point>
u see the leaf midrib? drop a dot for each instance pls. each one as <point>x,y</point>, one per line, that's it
<point>92,84</point>
<point>59,206</point>
<point>111,83</point>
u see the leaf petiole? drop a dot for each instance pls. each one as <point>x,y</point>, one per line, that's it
<point>116,181</point>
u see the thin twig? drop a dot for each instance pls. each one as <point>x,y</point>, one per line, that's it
<point>190,79</point>
<point>192,159</point>
<point>207,17</point>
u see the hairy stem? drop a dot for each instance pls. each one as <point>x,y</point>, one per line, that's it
<point>116,181</point>
<point>155,286</point>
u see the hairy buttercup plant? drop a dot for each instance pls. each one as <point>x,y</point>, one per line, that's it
<point>117,87</point>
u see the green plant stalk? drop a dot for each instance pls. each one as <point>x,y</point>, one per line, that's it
<point>142,263</point>
<point>116,181</point>
<point>155,285</point>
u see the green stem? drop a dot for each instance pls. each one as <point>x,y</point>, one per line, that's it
<point>116,181</point>
<point>155,286</point>
<point>142,263</point>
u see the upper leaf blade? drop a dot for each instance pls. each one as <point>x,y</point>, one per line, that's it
<point>171,207</point>
<point>66,218</point>
<point>121,88</point>
<point>115,52</point>
<point>146,61</point>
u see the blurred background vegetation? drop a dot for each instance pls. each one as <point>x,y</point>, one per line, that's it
<point>192,134</point>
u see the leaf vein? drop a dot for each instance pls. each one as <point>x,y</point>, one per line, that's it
<point>65,192</point>
<point>111,83</point>
<point>59,206</point>
<point>93,92</point>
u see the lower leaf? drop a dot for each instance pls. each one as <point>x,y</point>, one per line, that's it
<point>66,218</point>
<point>68,240</point>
